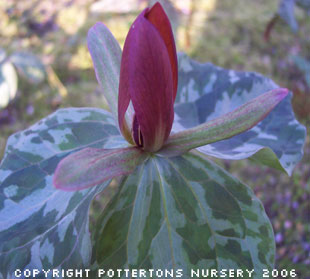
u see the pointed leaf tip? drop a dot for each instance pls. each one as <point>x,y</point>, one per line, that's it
<point>92,166</point>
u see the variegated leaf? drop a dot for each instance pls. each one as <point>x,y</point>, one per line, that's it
<point>183,213</point>
<point>41,227</point>
<point>206,91</point>
<point>29,66</point>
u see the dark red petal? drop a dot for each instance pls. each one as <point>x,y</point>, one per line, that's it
<point>146,77</point>
<point>157,16</point>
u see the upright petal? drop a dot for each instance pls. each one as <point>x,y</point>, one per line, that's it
<point>146,78</point>
<point>157,16</point>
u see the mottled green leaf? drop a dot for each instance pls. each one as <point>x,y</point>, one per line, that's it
<point>29,66</point>
<point>8,83</point>
<point>91,166</point>
<point>183,213</point>
<point>206,92</point>
<point>41,227</point>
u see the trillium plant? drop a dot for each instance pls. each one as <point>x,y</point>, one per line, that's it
<point>175,210</point>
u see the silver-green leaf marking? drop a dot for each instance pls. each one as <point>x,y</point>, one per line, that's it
<point>183,213</point>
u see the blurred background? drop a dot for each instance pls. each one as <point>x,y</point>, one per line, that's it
<point>45,65</point>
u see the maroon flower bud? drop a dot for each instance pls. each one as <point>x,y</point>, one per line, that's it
<point>148,80</point>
